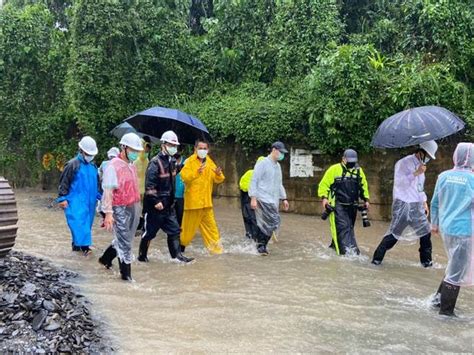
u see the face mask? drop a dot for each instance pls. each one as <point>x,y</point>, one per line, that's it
<point>89,158</point>
<point>350,165</point>
<point>281,156</point>
<point>132,156</point>
<point>171,150</point>
<point>202,153</point>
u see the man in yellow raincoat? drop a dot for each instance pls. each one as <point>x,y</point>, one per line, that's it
<point>199,175</point>
<point>141,165</point>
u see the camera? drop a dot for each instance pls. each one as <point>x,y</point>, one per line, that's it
<point>329,209</point>
<point>365,218</point>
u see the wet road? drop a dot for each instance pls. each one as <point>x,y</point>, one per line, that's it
<point>301,298</point>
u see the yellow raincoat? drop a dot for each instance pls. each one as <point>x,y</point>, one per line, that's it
<point>198,211</point>
<point>141,164</point>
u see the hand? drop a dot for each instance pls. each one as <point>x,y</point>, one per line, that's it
<point>201,168</point>
<point>63,204</point>
<point>159,206</point>
<point>421,170</point>
<point>286,205</point>
<point>435,229</point>
<point>109,222</point>
<point>253,203</point>
<point>367,205</point>
<point>325,202</point>
<point>218,171</point>
<point>427,209</point>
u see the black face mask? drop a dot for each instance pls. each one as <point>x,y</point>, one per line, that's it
<point>350,165</point>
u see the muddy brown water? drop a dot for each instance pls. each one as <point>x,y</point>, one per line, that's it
<point>301,298</point>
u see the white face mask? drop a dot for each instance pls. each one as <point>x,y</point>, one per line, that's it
<point>171,150</point>
<point>89,158</point>
<point>202,153</point>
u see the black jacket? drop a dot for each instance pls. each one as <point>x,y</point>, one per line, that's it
<point>159,182</point>
<point>67,176</point>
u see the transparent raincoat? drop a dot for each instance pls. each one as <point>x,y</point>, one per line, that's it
<point>409,219</point>
<point>121,197</point>
<point>453,214</point>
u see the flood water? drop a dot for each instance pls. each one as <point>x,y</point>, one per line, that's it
<point>301,298</point>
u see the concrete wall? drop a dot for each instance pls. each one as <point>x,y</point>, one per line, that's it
<point>378,167</point>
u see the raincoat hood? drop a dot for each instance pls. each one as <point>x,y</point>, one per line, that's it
<point>464,156</point>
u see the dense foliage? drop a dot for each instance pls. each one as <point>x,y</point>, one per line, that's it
<point>316,73</point>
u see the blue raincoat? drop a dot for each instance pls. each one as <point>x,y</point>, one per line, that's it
<point>452,211</point>
<point>79,187</point>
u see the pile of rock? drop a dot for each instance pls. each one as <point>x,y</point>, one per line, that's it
<point>41,313</point>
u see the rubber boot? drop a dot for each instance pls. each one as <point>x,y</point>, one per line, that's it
<point>75,248</point>
<point>175,250</point>
<point>125,271</point>
<point>449,295</point>
<point>109,254</point>
<point>143,250</point>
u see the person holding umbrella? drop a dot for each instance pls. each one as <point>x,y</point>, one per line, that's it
<point>78,194</point>
<point>452,210</point>
<point>340,189</point>
<point>410,208</point>
<point>158,204</point>
<point>266,191</point>
<point>199,175</point>
<point>121,204</point>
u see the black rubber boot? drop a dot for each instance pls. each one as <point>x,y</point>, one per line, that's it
<point>262,249</point>
<point>75,248</point>
<point>109,254</point>
<point>175,250</point>
<point>143,250</point>
<point>449,295</point>
<point>125,271</point>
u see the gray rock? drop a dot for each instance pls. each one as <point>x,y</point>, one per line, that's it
<point>29,289</point>
<point>39,319</point>
<point>52,326</point>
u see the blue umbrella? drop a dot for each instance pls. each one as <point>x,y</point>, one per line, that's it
<point>157,120</point>
<point>415,126</point>
<point>125,127</point>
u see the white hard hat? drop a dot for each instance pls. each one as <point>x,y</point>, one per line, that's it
<point>132,140</point>
<point>88,145</point>
<point>113,152</point>
<point>430,147</point>
<point>169,137</point>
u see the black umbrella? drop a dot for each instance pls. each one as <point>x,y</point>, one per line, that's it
<point>125,127</point>
<point>415,126</point>
<point>157,120</point>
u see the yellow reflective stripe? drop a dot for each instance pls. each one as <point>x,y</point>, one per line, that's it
<point>332,222</point>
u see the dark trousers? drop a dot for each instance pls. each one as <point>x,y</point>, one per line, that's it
<point>165,220</point>
<point>262,238</point>
<point>345,217</point>
<point>179,209</point>
<point>248,215</point>
<point>389,241</point>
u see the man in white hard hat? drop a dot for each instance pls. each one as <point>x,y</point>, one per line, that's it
<point>78,194</point>
<point>410,209</point>
<point>121,204</point>
<point>158,202</point>
<point>111,153</point>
